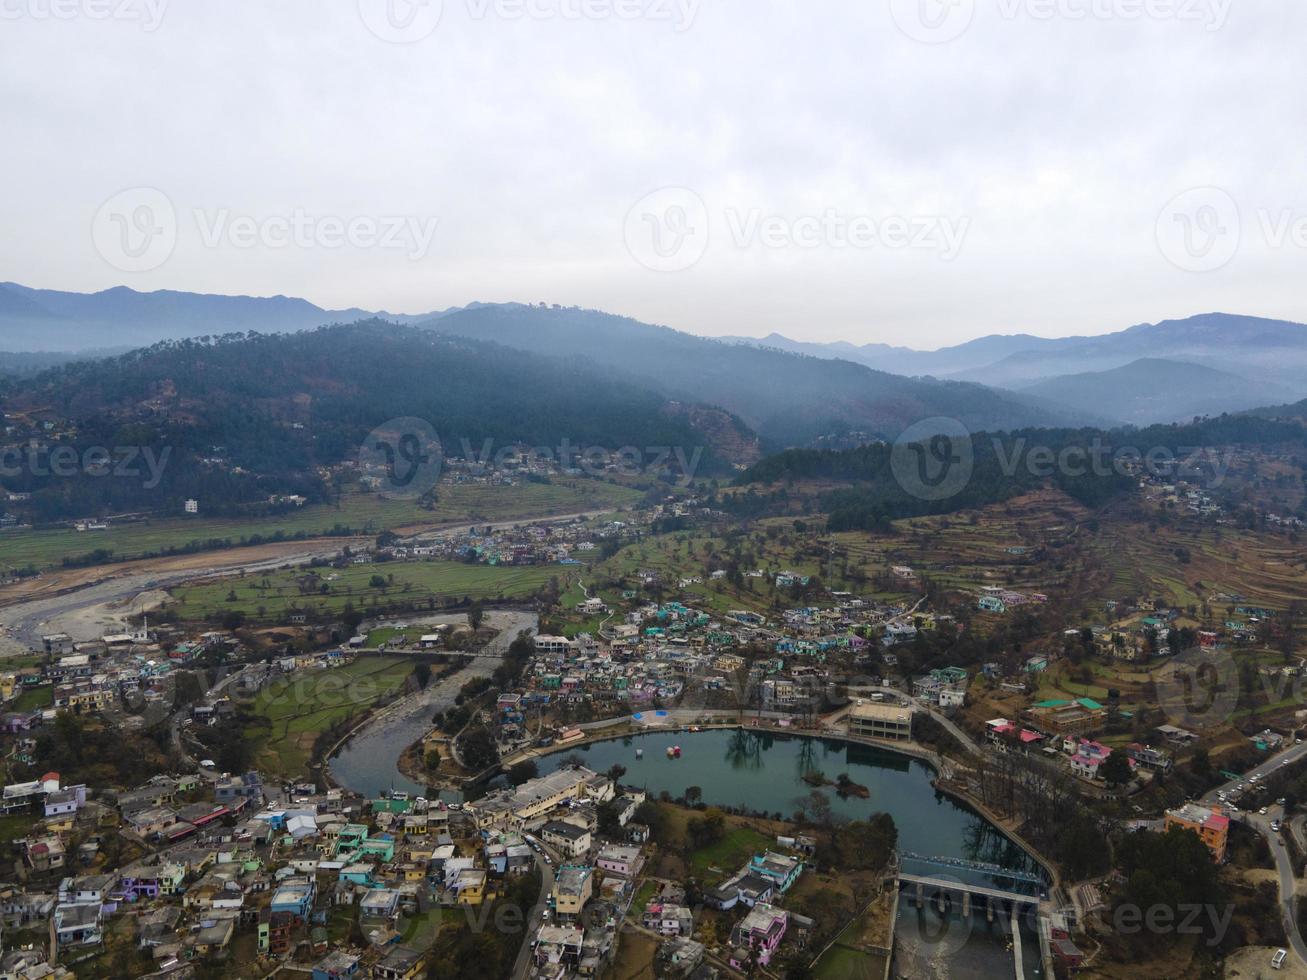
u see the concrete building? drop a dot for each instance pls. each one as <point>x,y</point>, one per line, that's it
<point>888,721</point>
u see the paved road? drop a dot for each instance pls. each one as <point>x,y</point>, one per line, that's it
<point>1262,824</point>
<point>522,965</point>
<point>1284,868</point>
<point>1288,756</point>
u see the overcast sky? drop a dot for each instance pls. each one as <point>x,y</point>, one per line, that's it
<point>911,172</point>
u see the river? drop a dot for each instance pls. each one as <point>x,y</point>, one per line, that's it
<point>367,762</point>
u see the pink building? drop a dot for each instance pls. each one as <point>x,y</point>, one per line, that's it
<point>761,931</point>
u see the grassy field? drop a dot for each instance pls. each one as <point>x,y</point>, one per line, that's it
<point>729,854</point>
<point>33,699</point>
<point>326,591</point>
<point>362,513</point>
<point>300,708</point>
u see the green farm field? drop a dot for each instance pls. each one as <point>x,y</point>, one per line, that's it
<point>294,712</point>
<point>326,591</point>
<point>363,514</point>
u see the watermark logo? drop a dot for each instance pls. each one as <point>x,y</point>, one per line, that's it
<point>136,229</point>
<point>401,21</point>
<point>933,21</point>
<point>680,14</point>
<point>930,928</point>
<point>303,229</point>
<point>1185,919</point>
<point>1199,689</point>
<point>143,463</point>
<point>401,458</point>
<point>1200,229</point>
<point>667,230</point>
<point>147,13</point>
<point>933,459</point>
<point>670,230</point>
<point>1211,15</point>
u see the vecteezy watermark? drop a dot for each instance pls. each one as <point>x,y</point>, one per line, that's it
<point>1199,688</point>
<point>409,21</point>
<point>933,21</point>
<point>680,14</point>
<point>147,13</point>
<point>941,21</point>
<point>1184,919</point>
<point>136,230</point>
<point>669,230</point>
<point>1203,229</point>
<point>933,459</point>
<point>401,458</point>
<point>302,229</point>
<point>63,462</point>
<point>1199,230</point>
<point>676,463</point>
<point>401,21</point>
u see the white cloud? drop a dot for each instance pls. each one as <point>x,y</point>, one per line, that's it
<point>1058,138</point>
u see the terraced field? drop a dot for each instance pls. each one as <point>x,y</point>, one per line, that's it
<point>1199,563</point>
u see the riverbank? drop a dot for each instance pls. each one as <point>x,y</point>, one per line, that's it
<point>367,759</point>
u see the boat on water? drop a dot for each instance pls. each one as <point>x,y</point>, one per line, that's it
<point>674,752</point>
<point>639,753</point>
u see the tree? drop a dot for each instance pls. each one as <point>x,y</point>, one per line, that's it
<point>476,615</point>
<point>693,794</point>
<point>478,749</point>
<point>422,674</point>
<point>433,758</point>
<point>523,771</point>
<point>1116,769</point>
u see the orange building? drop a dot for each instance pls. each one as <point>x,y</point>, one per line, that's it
<point>1211,826</point>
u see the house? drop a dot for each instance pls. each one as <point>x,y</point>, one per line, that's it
<point>380,903</point>
<point>401,963</point>
<point>567,838</point>
<point>782,869</point>
<point>470,886</point>
<point>78,925</point>
<point>668,919</point>
<point>756,937</point>
<point>619,859</point>
<point>65,801</point>
<point>573,887</point>
<point>556,948</point>
<point>295,897</point>
<point>1212,827</point>
<point>336,965</point>
<point>1149,757</point>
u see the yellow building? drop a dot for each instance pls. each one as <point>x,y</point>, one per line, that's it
<point>572,889</point>
<point>471,886</point>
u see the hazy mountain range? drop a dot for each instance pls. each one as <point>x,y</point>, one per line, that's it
<point>789,392</point>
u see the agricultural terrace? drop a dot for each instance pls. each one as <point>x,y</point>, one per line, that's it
<point>289,715</point>
<point>1028,543</point>
<point>326,591</point>
<point>1194,563</point>
<point>358,513</point>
